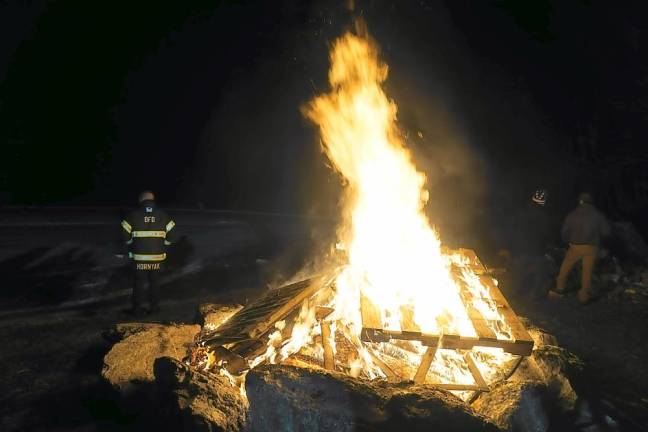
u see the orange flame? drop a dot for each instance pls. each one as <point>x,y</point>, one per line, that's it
<point>395,257</point>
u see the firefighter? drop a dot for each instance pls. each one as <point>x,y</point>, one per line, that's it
<point>147,231</point>
<point>582,229</point>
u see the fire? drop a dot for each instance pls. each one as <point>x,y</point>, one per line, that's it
<point>394,255</point>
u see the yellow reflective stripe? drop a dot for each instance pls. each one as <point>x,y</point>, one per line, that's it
<point>149,257</point>
<point>160,234</point>
<point>126,226</point>
<point>170,226</point>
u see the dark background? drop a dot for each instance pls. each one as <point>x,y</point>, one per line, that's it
<point>199,101</point>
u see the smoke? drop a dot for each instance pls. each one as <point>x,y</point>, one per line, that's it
<point>456,174</point>
<point>474,135</point>
<point>474,130</point>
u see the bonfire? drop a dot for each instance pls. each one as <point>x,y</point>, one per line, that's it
<point>394,304</point>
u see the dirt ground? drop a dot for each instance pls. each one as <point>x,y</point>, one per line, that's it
<point>51,362</point>
<point>609,336</point>
<point>51,359</point>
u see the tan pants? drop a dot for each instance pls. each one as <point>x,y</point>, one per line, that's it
<point>587,253</point>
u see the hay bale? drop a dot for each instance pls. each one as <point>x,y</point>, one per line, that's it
<point>130,362</point>
<point>515,406</point>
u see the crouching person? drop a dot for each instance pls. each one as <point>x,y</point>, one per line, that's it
<point>147,231</point>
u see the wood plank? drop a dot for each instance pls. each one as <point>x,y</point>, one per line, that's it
<point>481,325</point>
<point>329,359</point>
<point>456,342</point>
<point>374,335</point>
<point>259,316</point>
<point>430,340</point>
<point>388,371</point>
<point>407,322</point>
<point>476,318</point>
<point>472,257</point>
<point>234,363</point>
<point>456,387</point>
<point>371,316</point>
<point>287,307</point>
<point>322,312</point>
<point>474,370</point>
<point>424,366</point>
<point>519,333</point>
<point>353,339</point>
<point>397,334</point>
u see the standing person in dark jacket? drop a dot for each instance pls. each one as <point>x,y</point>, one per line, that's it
<point>582,229</point>
<point>532,235</point>
<point>147,231</point>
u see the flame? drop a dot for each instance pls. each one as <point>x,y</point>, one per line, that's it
<point>395,257</point>
<point>394,254</point>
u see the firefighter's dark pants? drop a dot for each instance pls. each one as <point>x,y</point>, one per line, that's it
<point>142,279</point>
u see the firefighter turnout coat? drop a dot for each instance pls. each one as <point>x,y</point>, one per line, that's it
<point>148,231</point>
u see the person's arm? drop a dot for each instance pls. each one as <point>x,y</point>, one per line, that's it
<point>127,234</point>
<point>171,232</point>
<point>127,231</point>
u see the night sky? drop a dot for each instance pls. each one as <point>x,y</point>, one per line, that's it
<point>199,101</point>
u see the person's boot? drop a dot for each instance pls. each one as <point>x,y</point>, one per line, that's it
<point>554,294</point>
<point>584,297</point>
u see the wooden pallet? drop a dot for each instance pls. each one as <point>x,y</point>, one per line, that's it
<point>260,316</point>
<point>519,344</point>
<point>244,335</point>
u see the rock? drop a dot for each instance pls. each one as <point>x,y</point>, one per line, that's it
<point>200,402</point>
<point>515,406</point>
<point>211,315</point>
<point>552,366</point>
<point>426,408</point>
<point>556,365</point>
<point>628,240</point>
<point>540,336</point>
<point>130,362</point>
<point>540,386</point>
<point>286,398</point>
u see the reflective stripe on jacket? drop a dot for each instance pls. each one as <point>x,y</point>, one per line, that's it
<point>148,230</point>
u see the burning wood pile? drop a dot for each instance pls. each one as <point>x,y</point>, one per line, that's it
<point>399,306</point>
<point>297,325</point>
